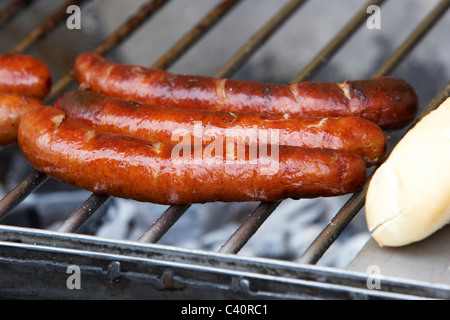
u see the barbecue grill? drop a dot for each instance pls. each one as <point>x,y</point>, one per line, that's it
<point>35,262</point>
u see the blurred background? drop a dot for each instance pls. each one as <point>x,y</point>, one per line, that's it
<point>292,227</point>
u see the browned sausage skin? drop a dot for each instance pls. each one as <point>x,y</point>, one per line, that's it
<point>24,75</point>
<point>134,168</point>
<point>156,123</point>
<point>389,102</point>
<point>12,108</point>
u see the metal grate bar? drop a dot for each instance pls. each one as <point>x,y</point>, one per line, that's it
<point>131,25</point>
<point>326,238</point>
<point>183,45</point>
<point>249,227</point>
<point>258,39</point>
<point>42,30</point>
<point>35,179</point>
<point>115,39</point>
<point>413,39</point>
<point>335,44</point>
<point>160,227</point>
<point>83,213</point>
<point>12,9</point>
<point>20,192</point>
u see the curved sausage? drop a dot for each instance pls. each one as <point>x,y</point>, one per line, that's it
<point>134,168</point>
<point>25,75</point>
<point>389,102</point>
<point>157,123</point>
<point>12,108</point>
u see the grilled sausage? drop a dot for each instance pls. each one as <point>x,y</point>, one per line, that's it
<point>156,123</point>
<point>129,167</point>
<point>389,102</point>
<point>12,108</point>
<point>24,75</point>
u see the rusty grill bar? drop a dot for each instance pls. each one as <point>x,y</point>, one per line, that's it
<point>12,9</point>
<point>47,26</point>
<point>352,283</point>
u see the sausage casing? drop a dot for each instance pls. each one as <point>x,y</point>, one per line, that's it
<point>24,75</point>
<point>164,124</point>
<point>12,108</point>
<point>389,102</point>
<point>134,168</point>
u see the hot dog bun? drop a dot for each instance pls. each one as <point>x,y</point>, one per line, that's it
<point>408,197</point>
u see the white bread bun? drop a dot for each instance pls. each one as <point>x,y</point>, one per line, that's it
<point>408,197</point>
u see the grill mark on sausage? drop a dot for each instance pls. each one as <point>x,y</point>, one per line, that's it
<point>58,119</point>
<point>221,92</point>
<point>293,88</point>
<point>345,88</point>
<point>89,135</point>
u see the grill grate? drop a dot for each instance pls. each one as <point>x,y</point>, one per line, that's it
<point>319,246</point>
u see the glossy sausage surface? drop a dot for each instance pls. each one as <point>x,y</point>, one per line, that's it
<point>129,167</point>
<point>25,75</point>
<point>12,108</point>
<point>389,102</point>
<point>165,124</point>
